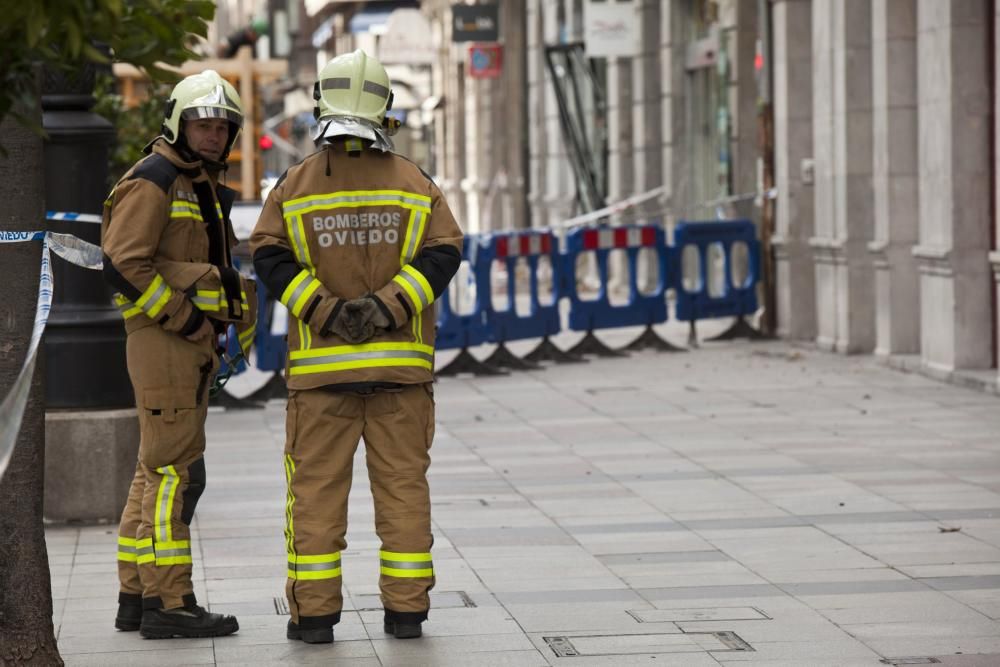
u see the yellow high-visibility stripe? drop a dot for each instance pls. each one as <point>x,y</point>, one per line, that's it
<point>356,199</point>
<point>185,209</point>
<point>297,294</point>
<point>155,297</point>
<point>405,557</point>
<point>406,574</point>
<point>410,292</point>
<point>126,549</point>
<point>174,560</point>
<point>289,504</point>
<point>144,551</point>
<point>428,293</point>
<point>305,337</point>
<point>296,231</point>
<point>363,347</point>
<point>354,365</point>
<point>247,338</point>
<point>418,327</point>
<point>319,566</point>
<point>303,559</point>
<point>292,286</point>
<point>366,355</point>
<point>129,310</point>
<point>173,553</point>
<point>164,504</point>
<point>406,565</point>
<point>170,504</point>
<point>414,236</point>
<point>320,574</point>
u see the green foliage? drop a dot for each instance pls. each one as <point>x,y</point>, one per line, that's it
<point>134,128</point>
<point>63,33</point>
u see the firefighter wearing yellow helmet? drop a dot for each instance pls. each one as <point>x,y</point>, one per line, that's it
<point>167,243</point>
<point>357,243</point>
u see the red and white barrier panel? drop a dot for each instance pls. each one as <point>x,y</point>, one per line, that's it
<point>622,237</point>
<point>524,245</point>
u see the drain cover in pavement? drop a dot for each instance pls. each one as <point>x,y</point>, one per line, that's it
<point>699,614</point>
<point>608,645</point>
<point>923,660</point>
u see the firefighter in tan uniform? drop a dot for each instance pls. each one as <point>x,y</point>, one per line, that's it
<point>167,244</point>
<point>357,242</point>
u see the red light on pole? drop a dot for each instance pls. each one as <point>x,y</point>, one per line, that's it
<point>266,143</point>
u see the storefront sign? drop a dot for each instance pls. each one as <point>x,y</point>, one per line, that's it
<point>611,28</point>
<point>475,23</point>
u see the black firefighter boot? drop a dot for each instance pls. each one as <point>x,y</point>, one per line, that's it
<point>188,621</point>
<point>318,635</point>
<point>403,625</point>
<point>129,612</point>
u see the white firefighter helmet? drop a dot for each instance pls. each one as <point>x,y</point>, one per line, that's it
<point>204,95</point>
<point>354,85</point>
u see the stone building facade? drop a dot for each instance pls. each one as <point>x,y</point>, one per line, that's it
<point>884,152</point>
<point>885,126</point>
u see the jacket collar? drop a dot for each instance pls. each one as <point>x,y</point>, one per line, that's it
<point>161,147</point>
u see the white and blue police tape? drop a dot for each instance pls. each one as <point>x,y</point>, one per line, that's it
<point>78,217</point>
<point>73,250</point>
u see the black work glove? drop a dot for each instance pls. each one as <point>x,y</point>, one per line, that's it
<point>368,310</point>
<point>348,326</point>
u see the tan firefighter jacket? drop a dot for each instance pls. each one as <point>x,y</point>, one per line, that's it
<point>342,225</point>
<point>167,244</point>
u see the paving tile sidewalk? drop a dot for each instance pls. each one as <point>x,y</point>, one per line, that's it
<point>737,504</point>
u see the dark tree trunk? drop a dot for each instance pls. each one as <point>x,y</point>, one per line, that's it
<point>26,632</point>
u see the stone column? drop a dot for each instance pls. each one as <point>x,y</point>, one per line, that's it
<point>672,107</point>
<point>512,114</point>
<point>742,104</point>
<point>894,121</point>
<point>537,97</point>
<point>560,192</point>
<point>621,175</point>
<point>793,145</point>
<point>995,254</point>
<point>647,117</point>
<point>842,139</point>
<point>954,97</point>
<point>450,79</point>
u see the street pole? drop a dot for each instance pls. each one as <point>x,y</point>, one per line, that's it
<point>92,430</point>
<point>85,340</point>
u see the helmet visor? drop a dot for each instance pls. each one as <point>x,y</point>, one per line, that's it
<point>193,112</point>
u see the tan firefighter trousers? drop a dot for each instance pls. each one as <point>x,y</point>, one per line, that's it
<point>171,377</point>
<point>323,430</point>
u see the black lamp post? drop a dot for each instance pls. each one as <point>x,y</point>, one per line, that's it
<point>85,339</point>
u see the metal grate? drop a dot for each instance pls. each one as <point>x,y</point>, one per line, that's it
<point>664,643</point>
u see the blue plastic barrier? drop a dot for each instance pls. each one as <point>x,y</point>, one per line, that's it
<point>640,309</point>
<point>733,300</point>
<point>457,330</point>
<point>541,319</point>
